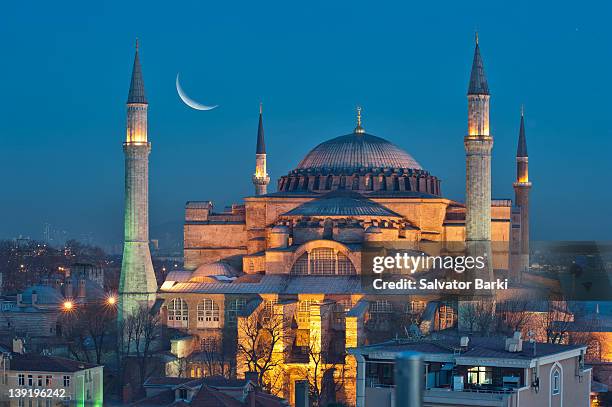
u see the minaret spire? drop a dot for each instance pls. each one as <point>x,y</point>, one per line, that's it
<point>478,80</point>
<point>521,150</point>
<point>521,194</point>
<point>261,143</point>
<point>137,89</point>
<point>137,284</point>
<point>261,179</point>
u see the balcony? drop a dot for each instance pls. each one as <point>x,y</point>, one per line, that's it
<point>384,396</point>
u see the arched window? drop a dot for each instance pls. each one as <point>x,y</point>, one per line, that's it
<point>208,314</point>
<point>328,182</point>
<point>555,385</point>
<point>396,186</point>
<point>344,265</point>
<point>323,261</point>
<point>178,313</point>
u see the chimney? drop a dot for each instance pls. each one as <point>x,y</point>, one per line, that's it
<point>6,362</point>
<point>301,393</point>
<point>515,343</point>
<point>18,345</point>
<point>34,297</point>
<point>68,288</point>
<point>81,288</point>
<point>464,341</point>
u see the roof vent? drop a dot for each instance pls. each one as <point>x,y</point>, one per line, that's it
<point>515,343</point>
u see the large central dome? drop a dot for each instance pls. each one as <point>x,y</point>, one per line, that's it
<point>362,163</point>
<point>357,152</point>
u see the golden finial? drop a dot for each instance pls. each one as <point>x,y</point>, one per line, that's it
<point>522,110</point>
<point>359,129</point>
<point>260,107</point>
<point>476,37</point>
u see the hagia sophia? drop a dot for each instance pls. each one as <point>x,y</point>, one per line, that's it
<point>295,253</point>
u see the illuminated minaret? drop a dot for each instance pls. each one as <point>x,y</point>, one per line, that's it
<point>478,146</point>
<point>137,285</point>
<point>261,179</point>
<point>521,193</point>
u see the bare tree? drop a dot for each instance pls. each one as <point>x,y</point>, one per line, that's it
<point>557,321</point>
<point>325,371</point>
<point>216,358</point>
<point>136,336</point>
<point>517,315</point>
<point>478,316</point>
<point>261,336</point>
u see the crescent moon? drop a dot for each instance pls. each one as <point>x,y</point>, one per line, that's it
<point>189,101</point>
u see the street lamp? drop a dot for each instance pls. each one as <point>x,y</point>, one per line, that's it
<point>68,305</point>
<point>111,300</point>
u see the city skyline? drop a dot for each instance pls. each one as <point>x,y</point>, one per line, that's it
<point>416,101</point>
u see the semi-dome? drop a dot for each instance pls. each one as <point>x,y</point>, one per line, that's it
<point>215,269</point>
<point>356,152</point>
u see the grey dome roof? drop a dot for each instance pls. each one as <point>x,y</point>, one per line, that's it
<point>44,295</point>
<point>219,268</point>
<point>355,151</point>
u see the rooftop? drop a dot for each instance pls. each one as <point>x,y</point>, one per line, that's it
<point>38,363</point>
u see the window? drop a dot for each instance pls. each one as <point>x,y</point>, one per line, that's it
<point>21,379</point>
<point>66,381</point>
<point>21,402</point>
<point>235,307</point>
<point>30,380</point>
<point>556,382</point>
<point>39,381</point>
<point>415,307</point>
<point>323,261</point>
<point>446,315</point>
<point>340,309</point>
<point>303,314</point>
<point>183,394</point>
<point>178,313</point>
<point>480,375</point>
<point>208,314</point>
<point>381,307</point>
<point>48,381</point>
<point>208,344</point>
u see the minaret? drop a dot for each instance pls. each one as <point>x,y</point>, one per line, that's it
<point>261,179</point>
<point>478,146</point>
<point>521,193</point>
<point>137,285</point>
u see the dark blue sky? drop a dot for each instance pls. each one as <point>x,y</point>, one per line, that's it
<point>65,70</point>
